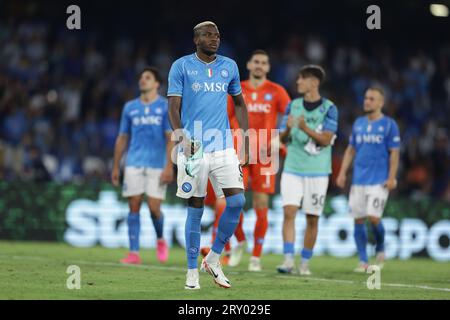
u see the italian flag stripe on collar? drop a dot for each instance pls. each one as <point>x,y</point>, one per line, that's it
<point>209,72</point>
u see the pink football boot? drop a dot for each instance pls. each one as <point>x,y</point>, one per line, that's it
<point>132,258</point>
<point>162,250</point>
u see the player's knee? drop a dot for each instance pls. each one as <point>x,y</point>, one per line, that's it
<point>312,221</point>
<point>374,220</point>
<point>289,215</point>
<point>155,210</point>
<point>134,208</point>
<point>260,201</point>
<point>236,201</point>
<point>261,216</point>
<point>156,214</point>
<point>196,202</point>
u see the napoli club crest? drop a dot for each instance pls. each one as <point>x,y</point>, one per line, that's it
<point>186,187</point>
<point>224,73</point>
<point>268,97</point>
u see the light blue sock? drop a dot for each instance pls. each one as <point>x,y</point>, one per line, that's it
<point>360,235</point>
<point>192,234</point>
<point>158,223</point>
<point>378,231</point>
<point>306,255</point>
<point>229,221</point>
<point>134,228</point>
<point>288,248</point>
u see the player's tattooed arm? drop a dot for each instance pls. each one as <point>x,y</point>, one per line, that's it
<point>321,138</point>
<point>242,118</point>
<point>119,149</point>
<point>346,163</point>
<point>391,182</point>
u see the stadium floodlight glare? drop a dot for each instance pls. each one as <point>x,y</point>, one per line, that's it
<point>439,10</point>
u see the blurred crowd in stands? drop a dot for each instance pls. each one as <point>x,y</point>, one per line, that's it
<point>61,97</point>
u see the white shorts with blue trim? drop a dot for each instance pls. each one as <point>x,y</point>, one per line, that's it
<point>140,180</point>
<point>367,200</point>
<point>306,192</point>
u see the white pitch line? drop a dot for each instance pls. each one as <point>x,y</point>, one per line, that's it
<point>173,268</point>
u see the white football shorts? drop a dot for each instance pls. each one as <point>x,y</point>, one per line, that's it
<point>221,167</point>
<point>140,180</point>
<point>367,200</point>
<point>306,192</point>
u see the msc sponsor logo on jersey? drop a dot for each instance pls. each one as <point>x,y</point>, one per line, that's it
<point>147,120</point>
<point>369,138</point>
<point>133,112</point>
<point>258,107</point>
<point>210,87</point>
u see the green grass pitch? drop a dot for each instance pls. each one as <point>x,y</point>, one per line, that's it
<point>37,270</point>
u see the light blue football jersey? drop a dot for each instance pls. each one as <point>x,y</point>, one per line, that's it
<point>204,88</point>
<point>372,141</point>
<point>146,125</point>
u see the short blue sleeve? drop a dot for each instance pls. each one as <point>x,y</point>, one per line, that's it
<point>125,124</point>
<point>175,80</point>
<point>234,88</point>
<point>393,138</point>
<point>331,120</point>
<point>285,118</point>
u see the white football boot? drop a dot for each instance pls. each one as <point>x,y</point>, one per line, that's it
<point>286,267</point>
<point>361,268</point>
<point>236,254</point>
<point>215,270</point>
<point>255,264</point>
<point>192,280</point>
<point>304,269</point>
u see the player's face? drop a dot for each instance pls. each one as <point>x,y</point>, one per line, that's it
<point>373,101</point>
<point>258,66</point>
<point>208,40</point>
<point>306,84</point>
<point>147,82</point>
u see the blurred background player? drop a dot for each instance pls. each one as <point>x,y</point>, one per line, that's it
<point>265,101</point>
<point>309,127</point>
<point>374,144</point>
<point>198,87</point>
<point>145,135</point>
